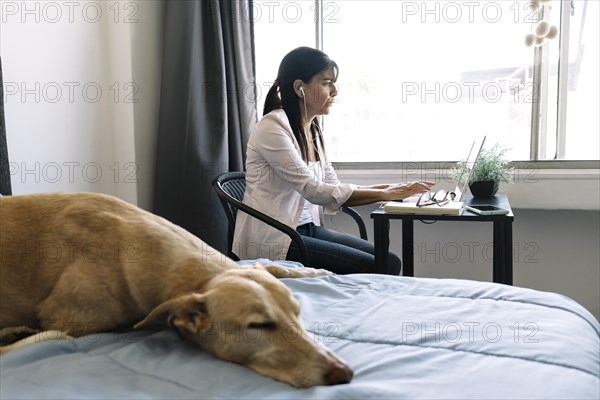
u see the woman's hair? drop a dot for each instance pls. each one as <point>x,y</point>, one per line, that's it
<point>302,63</point>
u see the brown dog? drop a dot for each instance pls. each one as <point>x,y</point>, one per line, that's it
<point>84,263</point>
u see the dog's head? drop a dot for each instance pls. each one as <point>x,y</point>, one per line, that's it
<point>250,318</point>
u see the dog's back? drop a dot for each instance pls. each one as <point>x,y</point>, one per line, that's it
<point>91,248</point>
<point>26,244</point>
<point>84,263</point>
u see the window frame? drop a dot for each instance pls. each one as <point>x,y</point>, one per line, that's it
<point>538,128</point>
<point>537,184</point>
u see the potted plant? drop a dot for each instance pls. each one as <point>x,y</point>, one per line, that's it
<point>489,171</point>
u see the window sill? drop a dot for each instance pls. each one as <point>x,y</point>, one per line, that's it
<point>533,188</point>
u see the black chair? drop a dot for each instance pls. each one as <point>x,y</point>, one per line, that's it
<point>230,187</point>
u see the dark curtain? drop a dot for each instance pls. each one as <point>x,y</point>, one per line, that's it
<point>207,108</point>
<point>5,187</point>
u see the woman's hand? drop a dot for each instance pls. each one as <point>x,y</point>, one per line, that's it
<point>400,191</point>
<point>387,192</point>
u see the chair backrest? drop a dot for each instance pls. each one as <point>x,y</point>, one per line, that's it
<point>230,188</point>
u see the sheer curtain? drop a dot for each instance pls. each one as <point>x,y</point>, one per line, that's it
<point>207,108</point>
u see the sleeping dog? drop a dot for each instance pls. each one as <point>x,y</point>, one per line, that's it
<point>81,263</point>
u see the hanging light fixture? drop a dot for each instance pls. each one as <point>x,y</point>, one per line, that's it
<point>542,30</point>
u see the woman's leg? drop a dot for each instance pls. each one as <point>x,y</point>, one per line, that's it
<point>339,252</point>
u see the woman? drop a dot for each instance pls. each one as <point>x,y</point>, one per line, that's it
<point>288,176</point>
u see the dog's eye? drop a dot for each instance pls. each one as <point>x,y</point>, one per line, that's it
<point>269,325</point>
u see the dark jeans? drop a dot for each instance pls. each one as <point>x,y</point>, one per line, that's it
<point>338,252</point>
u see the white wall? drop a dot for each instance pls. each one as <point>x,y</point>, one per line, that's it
<point>553,251</point>
<point>81,86</point>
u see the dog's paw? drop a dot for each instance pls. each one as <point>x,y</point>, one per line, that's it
<point>309,272</point>
<point>280,271</point>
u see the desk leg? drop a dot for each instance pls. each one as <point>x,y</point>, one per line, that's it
<point>381,227</point>
<point>408,242</point>
<point>503,249</point>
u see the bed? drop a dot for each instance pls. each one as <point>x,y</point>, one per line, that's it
<point>404,337</point>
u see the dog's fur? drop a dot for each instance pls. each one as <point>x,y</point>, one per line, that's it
<point>83,263</point>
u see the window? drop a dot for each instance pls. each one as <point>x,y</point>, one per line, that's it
<point>279,26</point>
<point>420,79</point>
<point>582,124</point>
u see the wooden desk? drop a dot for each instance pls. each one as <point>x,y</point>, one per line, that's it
<point>502,236</point>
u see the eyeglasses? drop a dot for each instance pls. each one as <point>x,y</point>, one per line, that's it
<point>441,197</point>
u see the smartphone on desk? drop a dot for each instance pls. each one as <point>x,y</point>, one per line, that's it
<point>486,209</point>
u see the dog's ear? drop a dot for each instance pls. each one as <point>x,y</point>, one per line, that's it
<point>185,312</point>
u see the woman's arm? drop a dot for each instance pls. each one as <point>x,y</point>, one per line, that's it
<point>386,192</point>
<point>273,148</point>
<point>274,143</point>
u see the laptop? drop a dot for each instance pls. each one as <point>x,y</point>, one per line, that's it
<point>454,205</point>
<point>463,180</point>
<point>472,158</point>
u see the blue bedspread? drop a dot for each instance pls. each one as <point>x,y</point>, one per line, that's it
<point>404,337</point>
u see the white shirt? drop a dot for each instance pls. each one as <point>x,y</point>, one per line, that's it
<point>277,182</point>
<point>307,216</point>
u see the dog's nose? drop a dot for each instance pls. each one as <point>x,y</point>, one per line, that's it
<point>339,373</point>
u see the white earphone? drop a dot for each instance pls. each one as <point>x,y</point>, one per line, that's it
<point>301,89</point>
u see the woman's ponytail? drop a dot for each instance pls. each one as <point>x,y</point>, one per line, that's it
<point>273,101</point>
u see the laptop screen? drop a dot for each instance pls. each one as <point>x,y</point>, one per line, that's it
<point>472,157</point>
